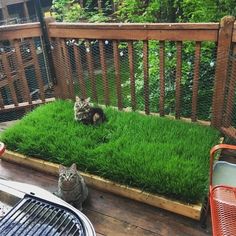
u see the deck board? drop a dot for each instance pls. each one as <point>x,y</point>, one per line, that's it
<point>113,215</point>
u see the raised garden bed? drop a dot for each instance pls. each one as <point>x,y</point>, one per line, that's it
<point>154,154</point>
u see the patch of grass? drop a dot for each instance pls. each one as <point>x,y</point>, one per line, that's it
<point>155,154</point>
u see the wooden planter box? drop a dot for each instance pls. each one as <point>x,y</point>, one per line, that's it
<point>189,210</point>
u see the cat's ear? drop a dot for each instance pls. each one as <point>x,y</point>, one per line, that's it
<point>61,168</point>
<point>87,100</point>
<point>73,167</point>
<point>77,99</point>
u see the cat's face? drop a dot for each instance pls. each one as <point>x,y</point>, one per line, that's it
<point>82,104</point>
<point>68,175</point>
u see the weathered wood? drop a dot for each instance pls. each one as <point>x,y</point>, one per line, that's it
<point>131,72</point>
<point>229,132</point>
<point>178,80</point>
<point>89,55</point>
<point>133,34</point>
<point>196,80</point>
<point>117,74</point>
<point>104,72</point>
<point>119,209</point>
<point>1,101</point>
<point>7,71</point>
<point>25,105</point>
<point>39,78</point>
<point>231,92</point>
<point>192,211</point>
<point>61,90</point>
<point>146,77</point>
<point>26,12</point>
<point>11,32</point>
<point>162,79</point>
<point>137,26</point>
<point>234,34</point>
<point>224,43</point>
<point>67,68</point>
<point>118,229</point>
<point>21,73</point>
<point>79,68</point>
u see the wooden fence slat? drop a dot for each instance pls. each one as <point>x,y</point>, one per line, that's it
<point>196,80</point>
<point>1,101</point>
<point>178,80</point>
<point>89,55</point>
<point>21,72</point>
<point>79,71</point>
<point>231,93</point>
<point>61,90</point>
<point>10,81</point>
<point>224,43</point>
<point>162,79</point>
<point>146,77</point>
<point>104,72</point>
<point>117,74</point>
<point>131,72</point>
<point>68,69</point>
<point>37,70</point>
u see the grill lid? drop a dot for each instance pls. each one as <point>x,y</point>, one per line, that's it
<point>38,217</point>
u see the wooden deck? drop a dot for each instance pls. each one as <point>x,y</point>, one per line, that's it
<point>110,214</point>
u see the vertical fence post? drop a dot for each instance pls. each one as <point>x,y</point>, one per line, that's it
<point>223,49</point>
<point>231,92</point>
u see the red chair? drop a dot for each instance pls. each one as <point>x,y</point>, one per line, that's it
<point>2,148</point>
<point>222,193</point>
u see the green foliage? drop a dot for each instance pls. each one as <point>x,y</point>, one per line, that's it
<point>155,154</point>
<point>67,10</point>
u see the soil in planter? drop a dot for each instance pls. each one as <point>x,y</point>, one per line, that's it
<point>158,155</point>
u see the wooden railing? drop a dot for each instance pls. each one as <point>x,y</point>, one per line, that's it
<point>69,63</point>
<point>14,64</point>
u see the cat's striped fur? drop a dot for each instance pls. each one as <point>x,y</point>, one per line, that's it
<point>86,114</point>
<point>71,186</point>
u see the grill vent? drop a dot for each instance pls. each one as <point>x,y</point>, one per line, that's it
<point>37,217</point>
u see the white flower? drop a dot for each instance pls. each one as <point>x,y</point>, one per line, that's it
<point>106,42</point>
<point>87,50</point>
<point>212,63</point>
<point>169,54</point>
<point>38,48</point>
<point>189,63</point>
<point>27,50</point>
<point>121,54</point>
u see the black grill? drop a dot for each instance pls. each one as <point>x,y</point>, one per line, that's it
<point>37,217</point>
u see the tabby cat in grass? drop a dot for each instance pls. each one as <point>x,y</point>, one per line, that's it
<point>71,186</point>
<point>86,114</point>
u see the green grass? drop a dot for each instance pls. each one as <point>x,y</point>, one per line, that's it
<point>155,154</point>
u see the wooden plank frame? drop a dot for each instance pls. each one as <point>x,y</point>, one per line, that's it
<point>189,210</point>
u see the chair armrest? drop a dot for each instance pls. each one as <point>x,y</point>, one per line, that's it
<point>212,153</point>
